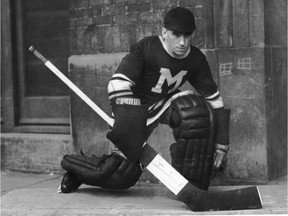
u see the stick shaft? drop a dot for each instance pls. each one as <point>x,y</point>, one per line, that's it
<point>84,97</point>
<point>73,87</point>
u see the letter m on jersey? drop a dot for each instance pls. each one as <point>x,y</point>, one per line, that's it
<point>166,75</point>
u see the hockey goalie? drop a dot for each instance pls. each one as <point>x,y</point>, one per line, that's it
<point>145,80</point>
<point>144,92</point>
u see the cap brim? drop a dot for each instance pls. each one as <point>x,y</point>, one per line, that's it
<point>181,28</point>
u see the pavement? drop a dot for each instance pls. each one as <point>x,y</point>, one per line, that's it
<point>34,194</point>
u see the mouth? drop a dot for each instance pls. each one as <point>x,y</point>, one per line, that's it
<point>181,49</point>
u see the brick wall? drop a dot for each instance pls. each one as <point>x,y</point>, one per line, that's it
<point>112,26</point>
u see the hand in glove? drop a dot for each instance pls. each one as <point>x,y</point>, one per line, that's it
<point>220,160</point>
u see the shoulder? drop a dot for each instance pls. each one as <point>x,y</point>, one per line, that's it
<point>142,46</point>
<point>147,40</point>
<point>199,57</point>
<point>195,52</point>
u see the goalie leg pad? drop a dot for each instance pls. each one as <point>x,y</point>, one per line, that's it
<point>193,128</point>
<point>110,171</point>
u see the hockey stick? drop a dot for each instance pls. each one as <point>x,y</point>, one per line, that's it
<point>193,197</point>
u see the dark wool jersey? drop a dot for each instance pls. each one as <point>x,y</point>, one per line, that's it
<point>149,73</point>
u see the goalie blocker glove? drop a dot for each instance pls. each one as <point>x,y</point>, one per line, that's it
<point>129,130</point>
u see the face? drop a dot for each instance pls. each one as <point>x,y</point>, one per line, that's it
<point>178,44</point>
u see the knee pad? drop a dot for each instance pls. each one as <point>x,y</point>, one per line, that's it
<point>192,121</point>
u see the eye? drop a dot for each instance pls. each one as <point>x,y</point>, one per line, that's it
<point>176,33</point>
<point>187,34</point>
<point>179,34</point>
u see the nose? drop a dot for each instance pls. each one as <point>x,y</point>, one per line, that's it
<point>182,40</point>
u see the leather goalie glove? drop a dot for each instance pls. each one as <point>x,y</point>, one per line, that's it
<point>220,160</point>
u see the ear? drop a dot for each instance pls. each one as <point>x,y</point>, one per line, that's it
<point>164,32</point>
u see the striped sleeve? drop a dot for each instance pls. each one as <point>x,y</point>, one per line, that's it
<point>215,100</point>
<point>120,86</point>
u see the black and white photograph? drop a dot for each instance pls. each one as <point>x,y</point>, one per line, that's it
<point>143,107</point>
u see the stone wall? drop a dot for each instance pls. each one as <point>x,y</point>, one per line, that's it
<point>32,153</point>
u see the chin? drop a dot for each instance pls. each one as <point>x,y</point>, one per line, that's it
<point>180,53</point>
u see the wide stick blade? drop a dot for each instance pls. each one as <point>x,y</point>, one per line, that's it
<point>238,199</point>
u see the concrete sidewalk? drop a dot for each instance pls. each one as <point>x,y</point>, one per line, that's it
<point>27,194</point>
